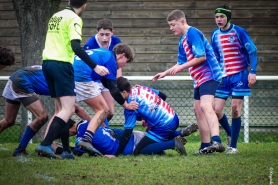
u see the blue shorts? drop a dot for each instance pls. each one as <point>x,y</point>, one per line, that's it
<point>206,88</point>
<point>235,85</point>
<point>164,133</point>
<point>59,77</point>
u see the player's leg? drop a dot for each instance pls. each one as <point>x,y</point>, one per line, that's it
<point>222,118</point>
<point>109,100</point>
<point>236,123</point>
<point>240,88</point>
<point>12,106</point>
<point>98,104</point>
<point>222,93</point>
<point>207,92</point>
<point>11,110</point>
<point>202,124</point>
<point>60,80</point>
<point>34,105</point>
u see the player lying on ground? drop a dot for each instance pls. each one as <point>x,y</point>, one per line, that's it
<point>160,118</point>
<point>107,141</point>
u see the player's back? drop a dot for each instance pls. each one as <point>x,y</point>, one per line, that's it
<point>30,79</point>
<point>101,56</point>
<point>152,108</point>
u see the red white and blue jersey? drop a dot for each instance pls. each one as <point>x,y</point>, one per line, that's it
<point>30,80</point>
<point>195,45</point>
<point>155,111</point>
<point>93,43</point>
<point>102,57</point>
<point>234,49</point>
<point>105,140</point>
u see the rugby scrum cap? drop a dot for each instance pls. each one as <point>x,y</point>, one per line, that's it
<point>224,9</point>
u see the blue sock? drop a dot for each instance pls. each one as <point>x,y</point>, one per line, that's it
<point>106,123</point>
<point>204,145</point>
<point>177,133</point>
<point>236,124</point>
<point>216,138</point>
<point>225,124</point>
<point>158,147</point>
<point>27,136</point>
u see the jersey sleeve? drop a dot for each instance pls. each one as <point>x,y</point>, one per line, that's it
<point>250,47</point>
<point>213,43</point>
<point>75,28</point>
<point>89,43</point>
<point>196,41</point>
<point>181,54</point>
<point>130,119</point>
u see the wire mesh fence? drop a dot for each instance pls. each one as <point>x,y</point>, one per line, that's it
<point>259,112</point>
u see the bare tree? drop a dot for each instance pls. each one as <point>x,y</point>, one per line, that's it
<point>32,17</point>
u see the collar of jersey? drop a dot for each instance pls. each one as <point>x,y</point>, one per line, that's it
<point>70,8</point>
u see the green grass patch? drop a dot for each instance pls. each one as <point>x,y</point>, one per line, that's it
<point>251,166</point>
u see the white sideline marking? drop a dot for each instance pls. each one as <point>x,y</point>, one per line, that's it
<point>4,149</point>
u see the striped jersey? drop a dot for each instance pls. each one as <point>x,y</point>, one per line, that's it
<point>152,108</point>
<point>192,45</point>
<point>234,50</point>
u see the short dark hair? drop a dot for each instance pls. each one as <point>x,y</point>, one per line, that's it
<point>77,3</point>
<point>123,84</point>
<point>105,24</point>
<point>7,56</point>
<point>124,48</point>
<point>175,15</point>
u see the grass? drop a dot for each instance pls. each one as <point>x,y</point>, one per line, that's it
<point>251,166</point>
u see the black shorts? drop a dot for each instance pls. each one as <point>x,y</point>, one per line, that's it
<point>206,88</point>
<point>59,77</point>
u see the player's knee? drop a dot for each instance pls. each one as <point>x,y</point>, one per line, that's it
<point>235,112</point>
<point>205,107</point>
<point>7,123</point>
<point>40,121</point>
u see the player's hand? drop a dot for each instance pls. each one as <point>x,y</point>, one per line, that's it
<point>175,70</point>
<point>101,70</point>
<point>132,105</point>
<point>158,75</point>
<point>251,79</point>
<point>109,156</point>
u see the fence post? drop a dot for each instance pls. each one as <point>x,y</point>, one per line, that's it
<point>246,119</point>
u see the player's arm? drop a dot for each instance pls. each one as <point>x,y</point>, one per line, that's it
<point>81,53</point>
<point>124,140</point>
<point>116,94</point>
<point>130,120</point>
<point>251,49</point>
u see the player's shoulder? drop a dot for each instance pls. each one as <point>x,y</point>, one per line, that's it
<point>116,39</point>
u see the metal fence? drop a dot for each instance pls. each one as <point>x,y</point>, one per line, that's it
<point>259,112</point>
